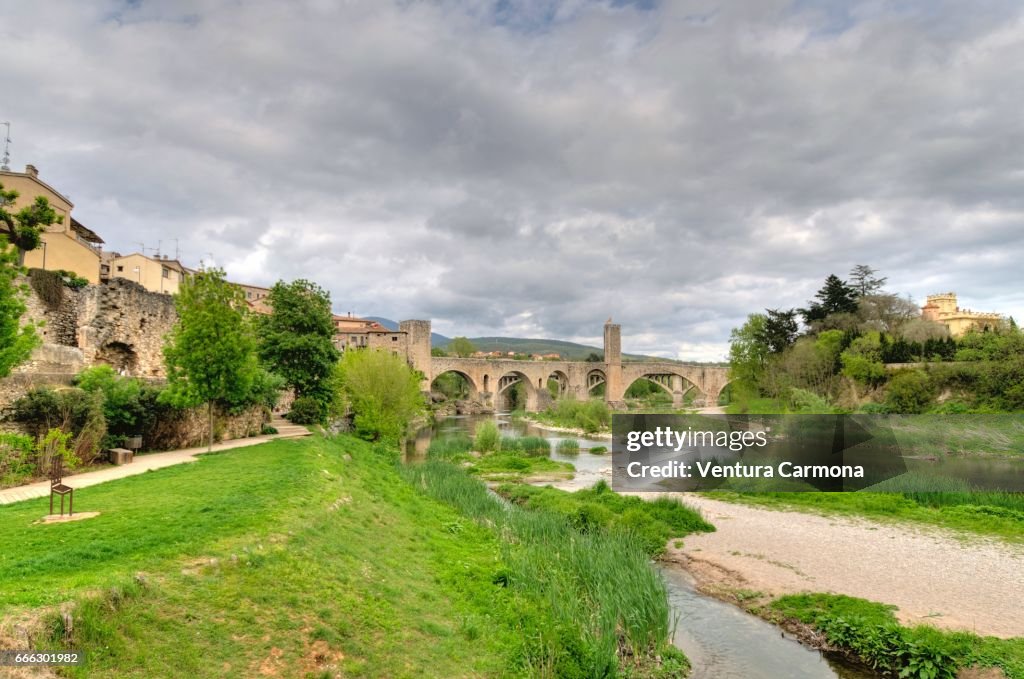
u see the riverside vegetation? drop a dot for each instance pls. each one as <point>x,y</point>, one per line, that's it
<point>325,555</point>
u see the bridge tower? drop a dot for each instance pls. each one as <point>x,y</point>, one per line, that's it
<point>614,390</point>
<point>417,337</point>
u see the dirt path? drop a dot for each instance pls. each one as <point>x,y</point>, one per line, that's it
<point>933,576</point>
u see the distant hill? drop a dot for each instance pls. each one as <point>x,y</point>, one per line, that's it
<point>436,340</point>
<point>571,351</point>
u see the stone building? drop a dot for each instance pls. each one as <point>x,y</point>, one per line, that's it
<point>67,245</point>
<point>943,308</point>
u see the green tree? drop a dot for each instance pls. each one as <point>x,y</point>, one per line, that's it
<point>382,390</point>
<point>834,297</point>
<point>594,357</point>
<point>296,340</point>
<point>748,352</point>
<point>210,353</point>
<point>461,347</point>
<point>23,229</point>
<point>780,329</point>
<point>862,360</point>
<point>864,282</point>
<point>16,341</point>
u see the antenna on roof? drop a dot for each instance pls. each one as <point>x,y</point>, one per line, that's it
<point>6,164</point>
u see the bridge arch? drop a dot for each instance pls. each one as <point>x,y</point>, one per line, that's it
<point>676,386</point>
<point>561,379</point>
<point>472,388</point>
<point>508,380</point>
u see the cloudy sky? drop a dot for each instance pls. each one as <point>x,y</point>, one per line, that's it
<point>532,168</point>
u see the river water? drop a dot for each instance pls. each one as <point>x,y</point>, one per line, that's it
<point>721,641</point>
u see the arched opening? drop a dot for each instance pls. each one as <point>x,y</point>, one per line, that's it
<point>487,382</point>
<point>558,384</point>
<point>452,385</point>
<point>120,356</point>
<point>660,391</point>
<point>595,383</point>
<point>515,392</point>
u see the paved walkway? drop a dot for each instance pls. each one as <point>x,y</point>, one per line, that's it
<point>145,462</point>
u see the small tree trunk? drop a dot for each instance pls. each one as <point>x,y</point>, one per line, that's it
<point>209,412</point>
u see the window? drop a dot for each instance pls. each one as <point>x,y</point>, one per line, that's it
<point>120,269</point>
<point>248,295</point>
<point>166,272</point>
<point>394,338</point>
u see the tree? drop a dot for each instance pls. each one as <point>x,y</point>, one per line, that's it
<point>835,296</point>
<point>210,353</point>
<point>23,228</point>
<point>461,347</point>
<point>296,340</point>
<point>16,341</point>
<point>885,312</point>
<point>594,357</point>
<point>864,282</point>
<point>780,329</point>
<point>382,390</point>
<point>748,352</point>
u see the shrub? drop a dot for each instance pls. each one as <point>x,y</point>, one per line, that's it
<point>306,410</point>
<point>511,444</point>
<point>909,391</point>
<point>488,438</point>
<point>17,458</point>
<point>267,430</point>
<point>74,411</point>
<point>598,450</point>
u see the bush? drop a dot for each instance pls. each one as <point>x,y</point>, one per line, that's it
<point>17,458</point>
<point>306,410</point>
<point>598,450</point>
<point>909,391</point>
<point>74,411</point>
<point>488,438</point>
<point>267,430</point>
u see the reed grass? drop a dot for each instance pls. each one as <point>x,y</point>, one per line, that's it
<point>598,586</point>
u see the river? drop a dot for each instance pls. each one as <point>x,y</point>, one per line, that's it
<point>722,641</point>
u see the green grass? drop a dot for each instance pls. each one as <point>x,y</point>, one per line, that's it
<point>590,415</point>
<point>601,594</point>
<point>270,558</point>
<point>516,459</point>
<point>871,631</point>
<point>911,497</point>
<point>568,447</point>
<point>653,523</point>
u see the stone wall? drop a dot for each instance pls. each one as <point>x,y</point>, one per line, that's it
<point>119,323</point>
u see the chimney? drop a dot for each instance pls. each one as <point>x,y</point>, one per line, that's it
<point>31,171</point>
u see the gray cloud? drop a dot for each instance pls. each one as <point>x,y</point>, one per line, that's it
<point>538,166</point>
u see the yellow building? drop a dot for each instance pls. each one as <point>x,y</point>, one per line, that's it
<point>66,245</point>
<point>156,274</point>
<point>943,308</point>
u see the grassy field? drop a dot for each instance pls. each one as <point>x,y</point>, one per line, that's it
<point>292,558</point>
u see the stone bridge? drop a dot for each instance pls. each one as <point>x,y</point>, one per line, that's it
<point>488,378</point>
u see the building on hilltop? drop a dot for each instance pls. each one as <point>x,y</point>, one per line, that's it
<point>67,245</point>
<point>352,332</point>
<point>156,274</point>
<point>943,308</point>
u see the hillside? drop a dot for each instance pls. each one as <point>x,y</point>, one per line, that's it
<point>572,351</point>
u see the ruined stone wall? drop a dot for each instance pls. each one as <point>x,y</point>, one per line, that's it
<point>119,323</point>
